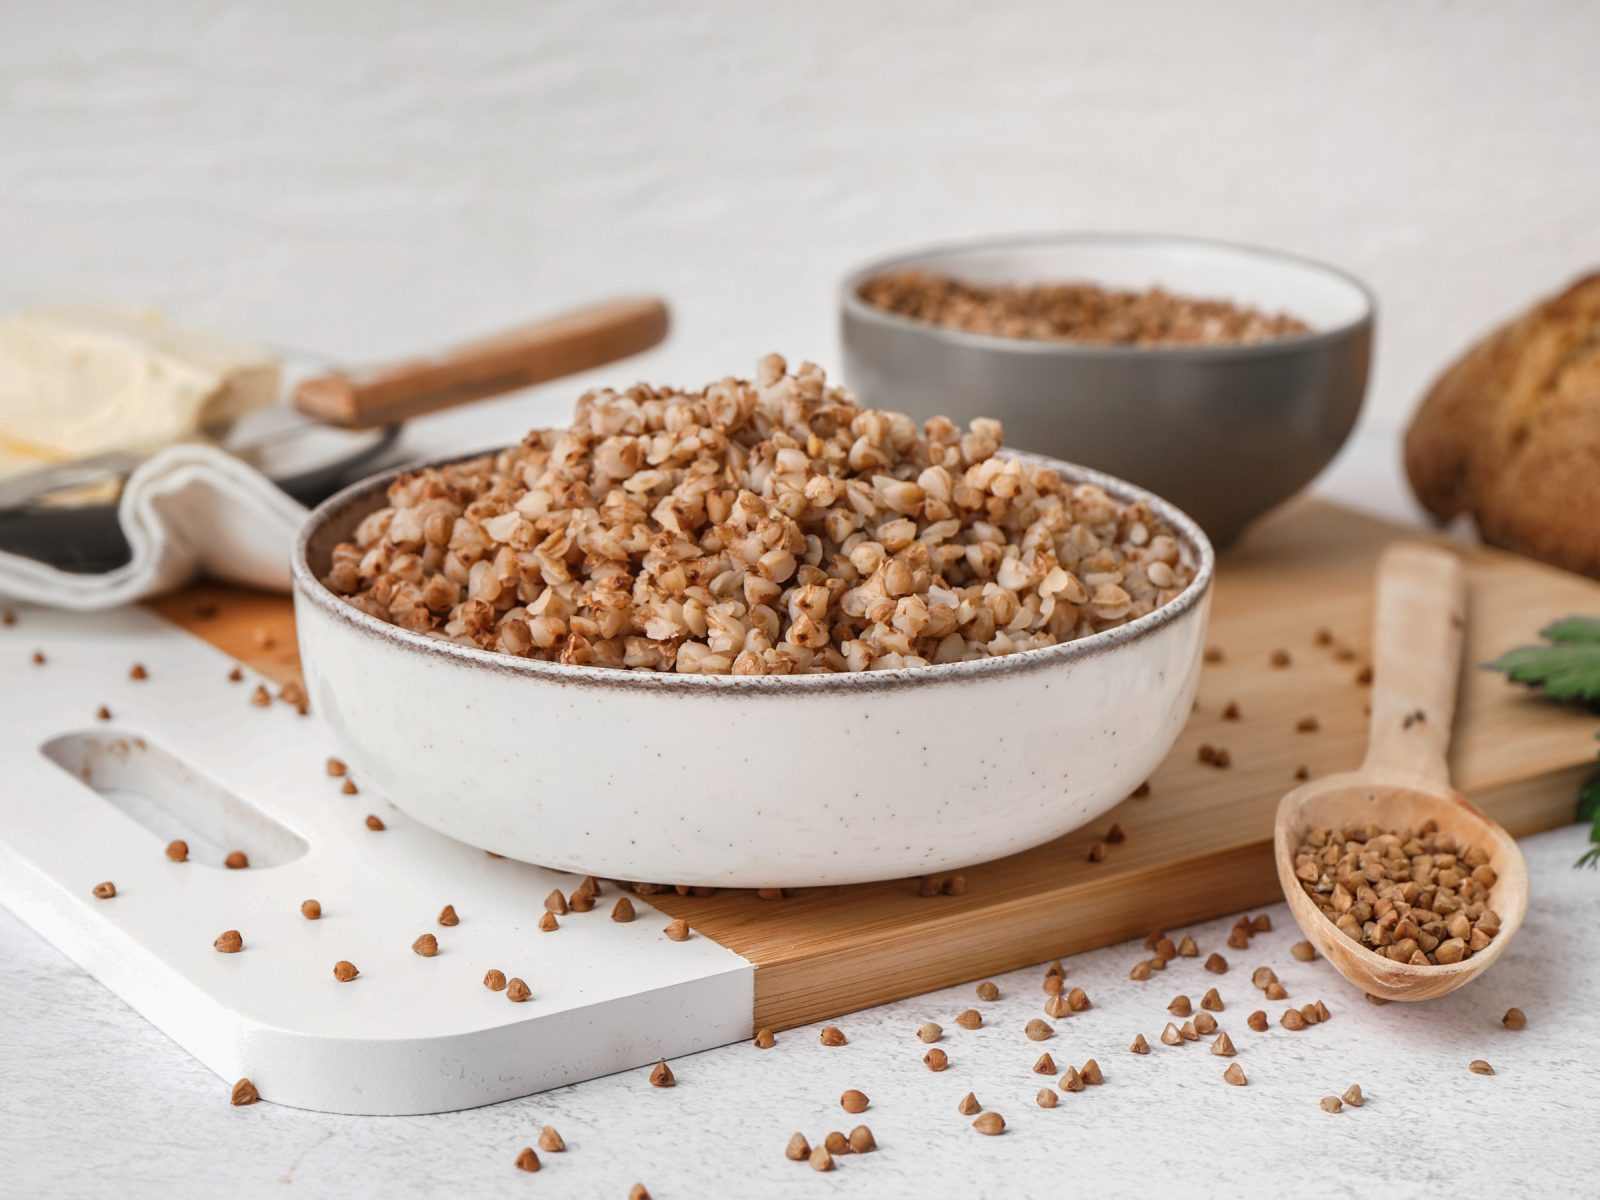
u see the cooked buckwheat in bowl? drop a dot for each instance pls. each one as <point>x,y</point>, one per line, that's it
<point>541,650</point>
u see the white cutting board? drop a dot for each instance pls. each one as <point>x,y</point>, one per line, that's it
<point>186,755</point>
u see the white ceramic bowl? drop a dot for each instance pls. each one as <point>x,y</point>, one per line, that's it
<point>762,781</point>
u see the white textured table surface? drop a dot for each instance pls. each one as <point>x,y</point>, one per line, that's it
<point>93,1101</point>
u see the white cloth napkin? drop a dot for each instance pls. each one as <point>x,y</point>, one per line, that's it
<point>189,510</point>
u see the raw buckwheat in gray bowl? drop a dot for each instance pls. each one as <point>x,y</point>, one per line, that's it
<point>765,527</point>
<point>753,635</point>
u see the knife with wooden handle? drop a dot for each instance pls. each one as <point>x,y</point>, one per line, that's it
<point>369,397</point>
<point>372,397</point>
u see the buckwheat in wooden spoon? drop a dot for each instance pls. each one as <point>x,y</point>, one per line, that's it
<point>1405,780</point>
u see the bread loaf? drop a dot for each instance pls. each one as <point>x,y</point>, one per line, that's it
<point>1511,434</point>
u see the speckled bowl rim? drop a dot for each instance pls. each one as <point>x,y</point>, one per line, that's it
<point>1193,540</point>
<point>851,304</point>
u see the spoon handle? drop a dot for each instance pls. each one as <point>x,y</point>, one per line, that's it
<point>1418,628</point>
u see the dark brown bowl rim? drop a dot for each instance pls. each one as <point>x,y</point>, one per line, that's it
<point>1193,539</point>
<point>853,306</point>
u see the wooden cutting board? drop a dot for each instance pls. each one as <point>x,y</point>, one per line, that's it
<point>1200,844</point>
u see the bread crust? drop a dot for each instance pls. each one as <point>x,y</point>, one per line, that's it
<point>1510,433</point>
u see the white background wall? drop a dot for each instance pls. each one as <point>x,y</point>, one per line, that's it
<point>366,178</point>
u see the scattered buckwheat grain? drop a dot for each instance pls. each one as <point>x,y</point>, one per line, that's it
<point>832,1035</point>
<point>344,971</point>
<point>229,942</point>
<point>1036,1030</point>
<point>854,1101</point>
<point>427,945</point>
<point>495,980</point>
<point>237,860</point>
<point>244,1092</point>
<point>311,910</point>
<point>1515,1018</point>
<point>550,1141</point>
<point>661,1075</point>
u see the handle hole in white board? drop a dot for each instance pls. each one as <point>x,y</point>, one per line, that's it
<point>159,791</point>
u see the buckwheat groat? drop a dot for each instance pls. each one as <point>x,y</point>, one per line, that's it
<point>765,527</point>
<point>1075,312</point>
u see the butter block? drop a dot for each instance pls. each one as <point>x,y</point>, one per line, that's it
<point>81,380</point>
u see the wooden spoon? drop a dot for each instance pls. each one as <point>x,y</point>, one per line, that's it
<point>1405,780</point>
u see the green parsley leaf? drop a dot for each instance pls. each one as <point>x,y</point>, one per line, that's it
<point>1573,629</point>
<point>1566,670</point>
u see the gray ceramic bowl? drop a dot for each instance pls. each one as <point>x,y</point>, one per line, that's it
<point>1224,432</point>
